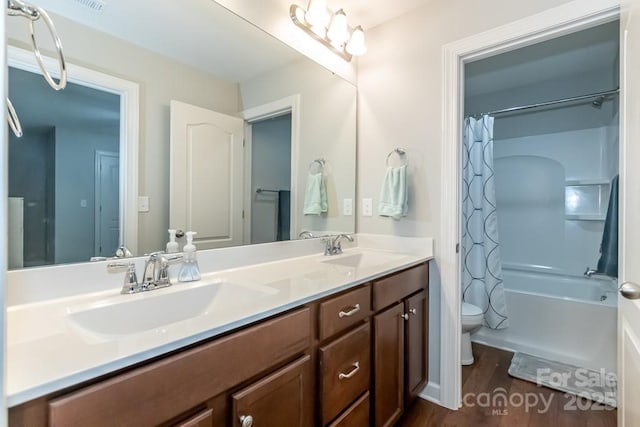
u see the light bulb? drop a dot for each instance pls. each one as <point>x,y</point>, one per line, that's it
<point>356,45</point>
<point>317,15</point>
<point>338,31</point>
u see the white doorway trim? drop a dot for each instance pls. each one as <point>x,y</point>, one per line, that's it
<point>568,18</point>
<point>129,107</point>
<point>290,104</point>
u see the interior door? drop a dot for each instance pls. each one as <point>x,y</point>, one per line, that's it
<point>107,209</point>
<point>629,232</point>
<point>206,175</point>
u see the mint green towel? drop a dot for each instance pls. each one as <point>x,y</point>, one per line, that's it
<point>315,195</point>
<point>393,196</point>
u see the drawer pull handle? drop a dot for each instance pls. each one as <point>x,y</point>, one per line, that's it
<point>356,368</point>
<point>246,420</point>
<point>354,310</point>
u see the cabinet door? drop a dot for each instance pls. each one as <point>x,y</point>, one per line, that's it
<point>281,399</point>
<point>416,339</point>
<point>389,365</point>
<point>203,418</point>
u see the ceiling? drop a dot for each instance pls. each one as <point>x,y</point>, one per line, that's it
<point>205,35</point>
<point>370,13</point>
<point>586,51</point>
<point>200,33</point>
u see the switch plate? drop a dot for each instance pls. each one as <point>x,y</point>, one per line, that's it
<point>83,203</point>
<point>367,207</point>
<point>143,204</point>
<point>347,207</point>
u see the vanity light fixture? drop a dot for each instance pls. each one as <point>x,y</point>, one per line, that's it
<point>330,29</point>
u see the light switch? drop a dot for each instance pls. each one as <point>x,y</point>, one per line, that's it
<point>367,207</point>
<point>83,203</point>
<point>347,207</point>
<point>143,204</point>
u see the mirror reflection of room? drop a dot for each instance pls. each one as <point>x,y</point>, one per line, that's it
<point>60,223</point>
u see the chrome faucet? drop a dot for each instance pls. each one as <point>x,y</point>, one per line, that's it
<point>590,272</point>
<point>333,245</point>
<point>156,273</point>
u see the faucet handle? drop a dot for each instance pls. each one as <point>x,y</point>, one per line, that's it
<point>130,285</point>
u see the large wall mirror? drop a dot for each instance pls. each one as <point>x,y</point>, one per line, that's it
<point>182,116</point>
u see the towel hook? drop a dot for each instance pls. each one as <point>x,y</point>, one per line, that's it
<point>401,152</point>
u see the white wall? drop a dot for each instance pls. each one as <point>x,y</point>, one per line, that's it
<point>327,130</point>
<point>161,79</point>
<point>400,103</point>
<point>75,150</point>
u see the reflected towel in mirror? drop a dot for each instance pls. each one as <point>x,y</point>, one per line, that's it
<point>315,195</point>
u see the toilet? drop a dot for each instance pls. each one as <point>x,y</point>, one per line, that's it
<point>471,321</point>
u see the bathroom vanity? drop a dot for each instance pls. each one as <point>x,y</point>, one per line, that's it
<point>350,354</point>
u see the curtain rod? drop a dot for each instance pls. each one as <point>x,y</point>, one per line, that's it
<point>545,104</point>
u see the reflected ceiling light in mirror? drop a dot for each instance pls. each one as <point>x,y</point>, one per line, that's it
<point>332,30</point>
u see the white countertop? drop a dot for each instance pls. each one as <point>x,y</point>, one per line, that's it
<point>47,350</point>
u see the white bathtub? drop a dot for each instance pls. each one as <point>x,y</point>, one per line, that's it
<point>564,318</point>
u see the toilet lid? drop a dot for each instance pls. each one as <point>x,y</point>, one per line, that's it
<point>470,309</point>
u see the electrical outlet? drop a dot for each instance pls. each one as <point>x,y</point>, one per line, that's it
<point>367,207</point>
<point>347,207</point>
<point>143,204</point>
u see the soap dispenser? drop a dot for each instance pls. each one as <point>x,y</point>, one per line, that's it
<point>172,245</point>
<point>189,270</point>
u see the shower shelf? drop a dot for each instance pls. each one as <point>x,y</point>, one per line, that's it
<point>596,181</point>
<point>580,217</point>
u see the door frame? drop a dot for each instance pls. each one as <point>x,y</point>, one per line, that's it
<point>129,116</point>
<point>288,105</point>
<point>100,154</point>
<point>565,19</point>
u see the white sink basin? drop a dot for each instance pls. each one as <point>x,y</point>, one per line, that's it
<point>363,259</point>
<point>130,314</point>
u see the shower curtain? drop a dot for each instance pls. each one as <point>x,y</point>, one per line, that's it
<point>481,264</point>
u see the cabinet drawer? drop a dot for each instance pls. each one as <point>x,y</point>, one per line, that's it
<point>343,311</point>
<point>356,416</point>
<point>400,285</point>
<point>345,368</point>
<point>281,399</point>
<point>161,390</point>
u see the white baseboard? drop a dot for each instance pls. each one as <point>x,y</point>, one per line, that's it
<point>431,393</point>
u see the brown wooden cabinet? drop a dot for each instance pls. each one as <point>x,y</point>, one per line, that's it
<point>389,365</point>
<point>400,340</point>
<point>352,359</point>
<point>416,344</point>
<point>283,398</point>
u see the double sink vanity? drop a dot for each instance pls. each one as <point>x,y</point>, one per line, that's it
<point>264,338</point>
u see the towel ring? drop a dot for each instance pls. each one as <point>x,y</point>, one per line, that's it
<point>14,121</point>
<point>401,153</point>
<point>33,13</point>
<point>319,162</point>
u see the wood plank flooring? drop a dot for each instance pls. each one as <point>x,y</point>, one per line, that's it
<point>525,404</point>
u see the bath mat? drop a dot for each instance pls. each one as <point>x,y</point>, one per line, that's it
<point>599,386</point>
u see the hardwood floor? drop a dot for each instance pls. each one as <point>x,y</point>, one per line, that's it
<point>525,404</point>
